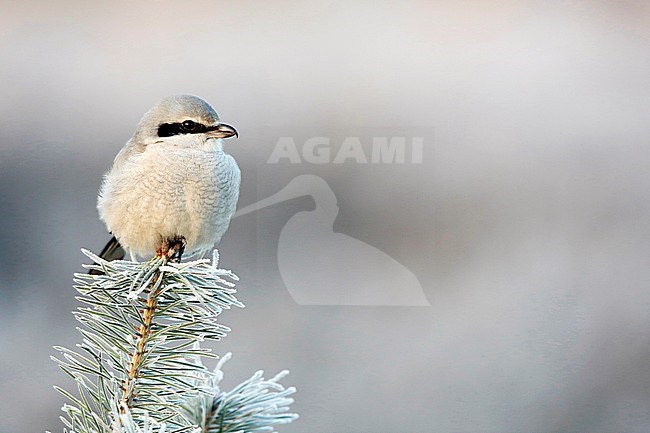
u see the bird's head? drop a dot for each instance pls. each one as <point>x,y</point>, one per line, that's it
<point>183,120</point>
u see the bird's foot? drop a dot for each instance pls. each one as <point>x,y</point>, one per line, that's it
<point>172,248</point>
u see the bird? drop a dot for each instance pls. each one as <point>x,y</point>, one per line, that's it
<point>322,267</point>
<point>172,188</point>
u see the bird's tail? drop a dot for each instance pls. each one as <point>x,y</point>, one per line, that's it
<point>112,251</point>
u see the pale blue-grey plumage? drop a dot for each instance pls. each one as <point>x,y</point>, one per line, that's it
<point>161,187</point>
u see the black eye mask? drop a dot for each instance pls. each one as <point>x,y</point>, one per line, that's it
<point>186,127</point>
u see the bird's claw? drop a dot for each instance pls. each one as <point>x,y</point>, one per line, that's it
<point>172,248</point>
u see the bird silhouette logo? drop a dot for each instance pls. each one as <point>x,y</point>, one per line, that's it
<point>321,267</point>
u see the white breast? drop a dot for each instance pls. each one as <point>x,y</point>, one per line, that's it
<point>168,191</point>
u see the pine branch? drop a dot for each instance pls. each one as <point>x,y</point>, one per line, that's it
<point>139,325</point>
<point>139,369</point>
<point>255,405</point>
<point>128,388</point>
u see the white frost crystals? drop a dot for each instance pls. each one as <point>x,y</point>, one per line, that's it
<point>252,406</point>
<point>138,368</point>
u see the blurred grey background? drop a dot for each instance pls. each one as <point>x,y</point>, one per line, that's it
<point>527,222</point>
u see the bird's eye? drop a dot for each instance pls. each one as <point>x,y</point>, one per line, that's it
<point>189,126</point>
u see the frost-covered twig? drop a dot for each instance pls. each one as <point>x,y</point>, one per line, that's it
<point>138,366</point>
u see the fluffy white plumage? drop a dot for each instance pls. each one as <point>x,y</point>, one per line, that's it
<point>172,180</point>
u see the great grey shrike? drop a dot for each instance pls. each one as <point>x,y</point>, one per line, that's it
<point>171,184</point>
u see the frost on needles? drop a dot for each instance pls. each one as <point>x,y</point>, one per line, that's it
<point>138,368</point>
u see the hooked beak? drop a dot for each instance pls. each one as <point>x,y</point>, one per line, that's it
<point>222,130</point>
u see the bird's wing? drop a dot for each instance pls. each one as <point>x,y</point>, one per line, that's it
<point>112,251</point>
